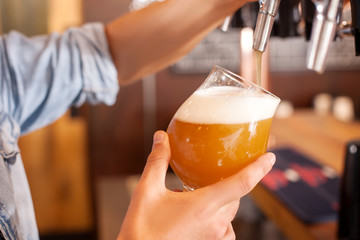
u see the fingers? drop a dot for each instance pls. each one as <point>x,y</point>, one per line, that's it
<point>158,160</point>
<point>238,185</point>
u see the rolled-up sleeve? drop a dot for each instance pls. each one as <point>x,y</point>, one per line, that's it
<point>41,77</point>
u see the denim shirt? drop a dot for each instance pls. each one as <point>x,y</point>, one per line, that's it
<point>40,78</point>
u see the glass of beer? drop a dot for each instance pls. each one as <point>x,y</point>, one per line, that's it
<point>222,127</point>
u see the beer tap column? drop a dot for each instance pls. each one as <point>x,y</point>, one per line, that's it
<point>323,32</point>
<point>264,23</point>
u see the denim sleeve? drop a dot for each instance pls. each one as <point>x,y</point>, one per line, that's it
<point>42,76</point>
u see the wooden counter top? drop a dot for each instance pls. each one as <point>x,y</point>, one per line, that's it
<point>321,137</point>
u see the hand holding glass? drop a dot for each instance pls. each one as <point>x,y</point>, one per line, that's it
<point>222,127</point>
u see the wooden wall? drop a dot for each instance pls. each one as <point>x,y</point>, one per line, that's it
<point>56,162</point>
<point>301,87</point>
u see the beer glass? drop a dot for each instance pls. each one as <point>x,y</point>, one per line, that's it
<point>222,127</point>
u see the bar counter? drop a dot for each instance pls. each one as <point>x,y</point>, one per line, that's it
<point>321,137</point>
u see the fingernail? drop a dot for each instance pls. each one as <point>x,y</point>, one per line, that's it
<point>272,159</point>
<point>159,137</point>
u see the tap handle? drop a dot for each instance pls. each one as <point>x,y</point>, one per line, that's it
<point>307,14</point>
<point>286,23</point>
<point>355,18</point>
<point>265,20</point>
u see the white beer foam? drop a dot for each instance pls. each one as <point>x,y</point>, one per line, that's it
<point>227,105</point>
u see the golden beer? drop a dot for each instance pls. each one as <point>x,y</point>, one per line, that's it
<point>217,132</point>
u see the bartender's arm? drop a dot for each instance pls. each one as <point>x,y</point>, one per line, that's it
<point>148,40</point>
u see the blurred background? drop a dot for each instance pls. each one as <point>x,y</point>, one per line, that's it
<point>82,168</point>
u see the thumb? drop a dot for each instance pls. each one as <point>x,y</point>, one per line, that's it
<point>158,161</point>
<point>238,185</point>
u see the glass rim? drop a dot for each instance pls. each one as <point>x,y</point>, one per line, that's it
<point>236,77</point>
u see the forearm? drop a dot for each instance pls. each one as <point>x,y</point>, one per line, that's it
<point>150,39</point>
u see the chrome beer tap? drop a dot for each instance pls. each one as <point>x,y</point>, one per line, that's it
<point>265,20</point>
<point>326,20</point>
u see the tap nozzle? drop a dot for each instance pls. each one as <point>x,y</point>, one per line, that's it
<point>323,33</point>
<point>265,20</point>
